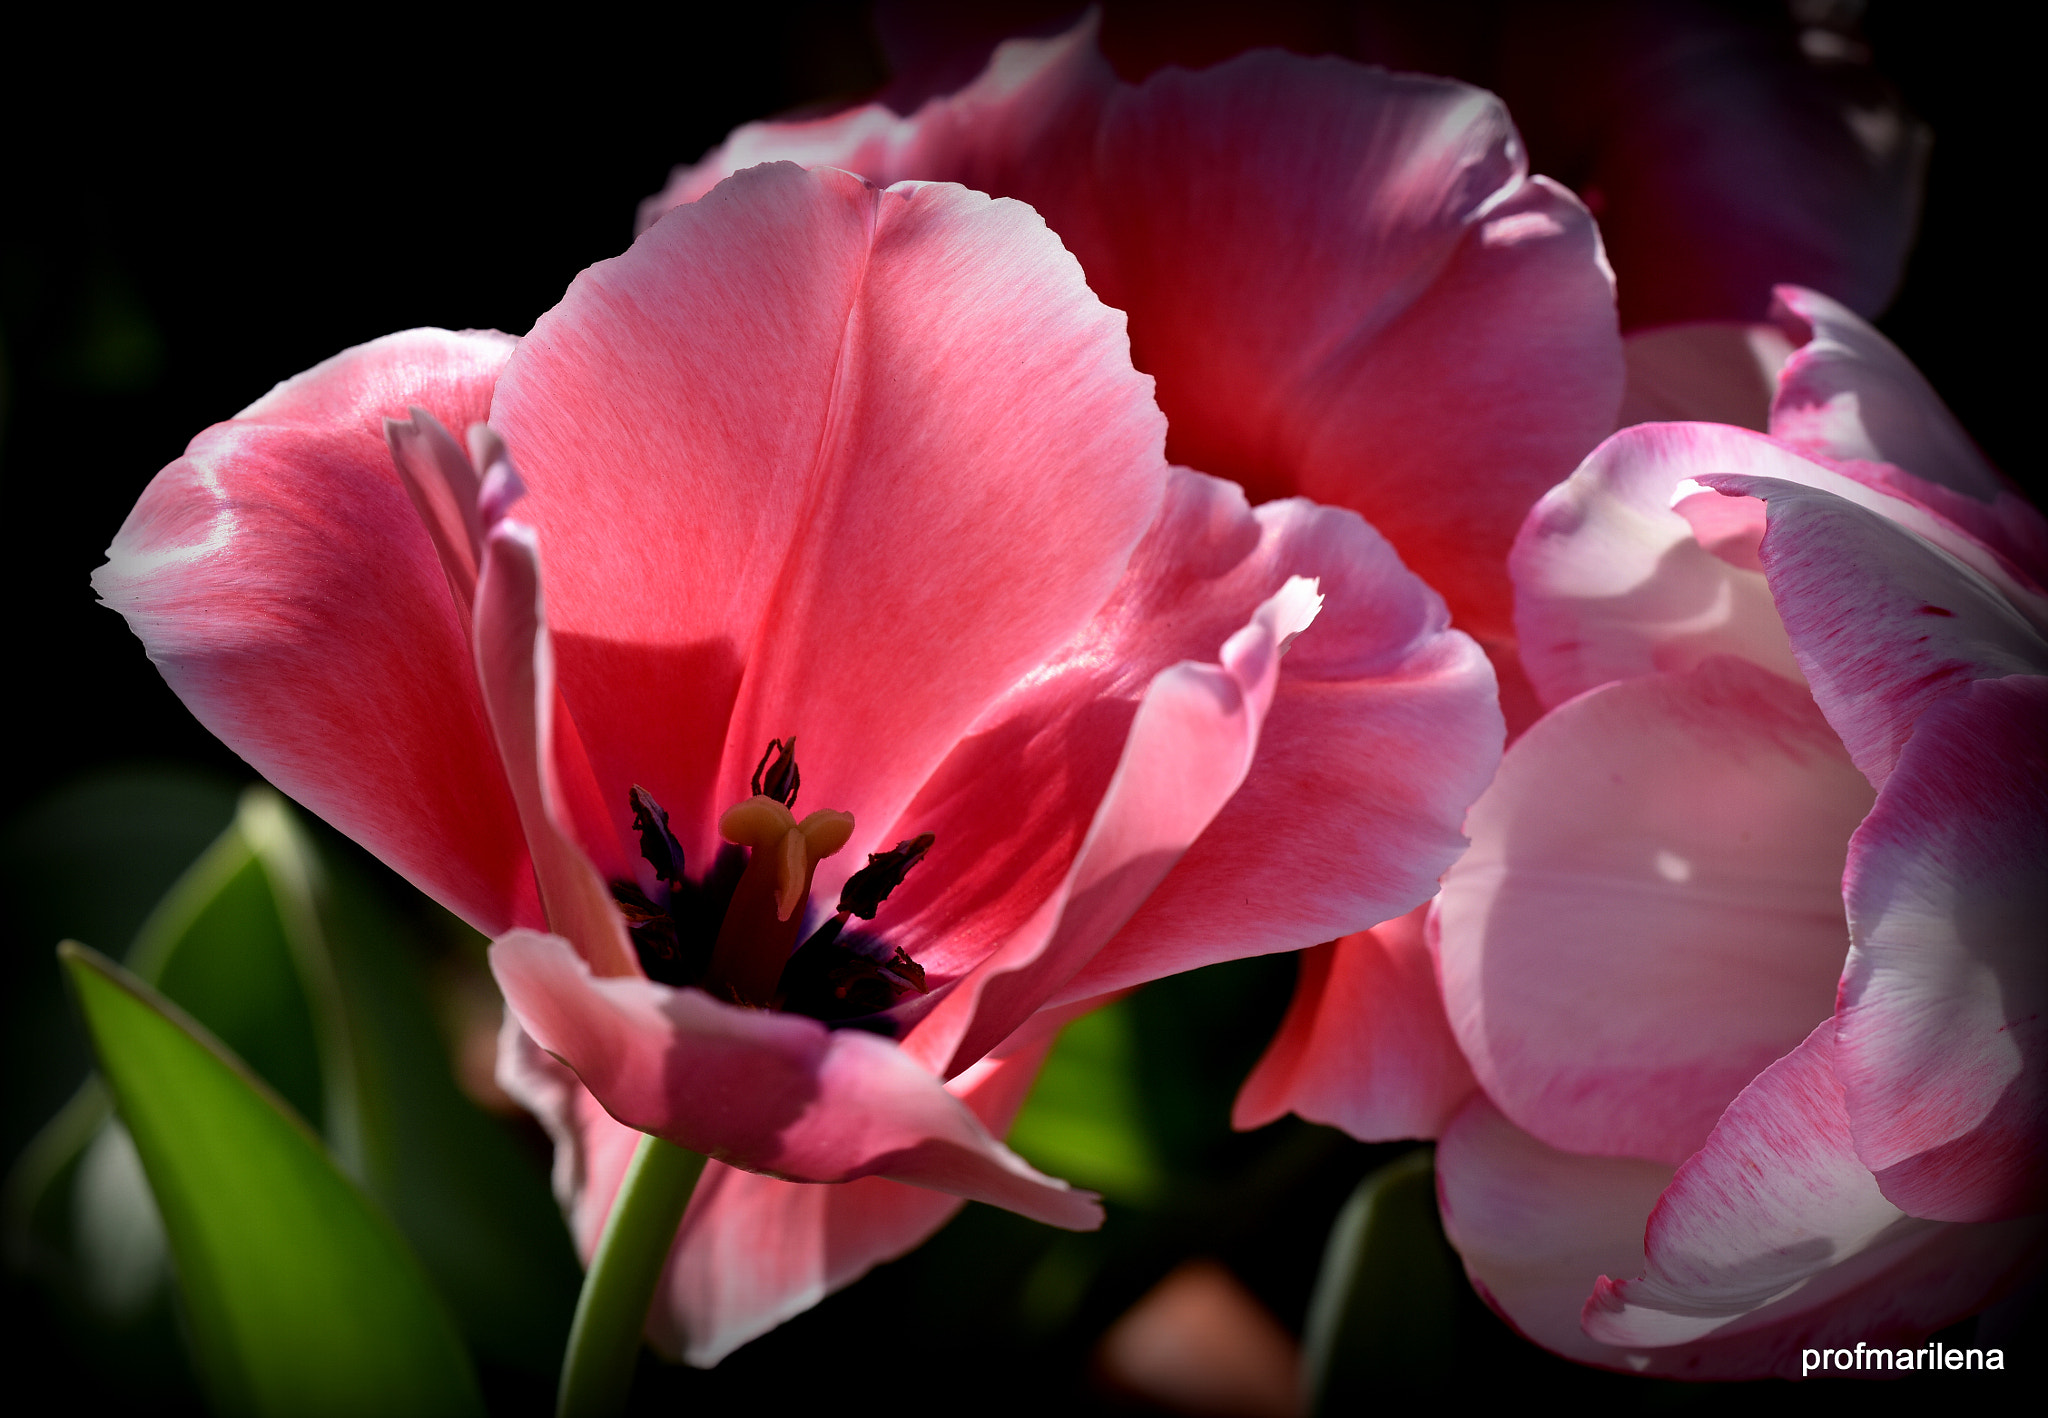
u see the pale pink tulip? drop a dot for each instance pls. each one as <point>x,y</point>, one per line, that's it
<point>870,471</point>
<point>1746,959</point>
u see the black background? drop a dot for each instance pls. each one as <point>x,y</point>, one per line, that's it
<point>194,212</point>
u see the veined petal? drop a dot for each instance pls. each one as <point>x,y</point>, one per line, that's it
<point>1537,1228</point>
<point>1189,747</point>
<point>754,1251</point>
<point>1848,398</point>
<point>1888,608</point>
<point>1711,371</point>
<point>763,449</point>
<point>1651,911</point>
<point>776,1093</point>
<point>1381,731</point>
<point>1365,1045</point>
<point>281,579</point>
<point>1777,1208</point>
<point>1941,1043</point>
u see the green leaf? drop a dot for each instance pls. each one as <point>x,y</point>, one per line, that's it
<point>1085,1120</point>
<point>1380,1324</point>
<point>301,1297</point>
<point>476,1209</point>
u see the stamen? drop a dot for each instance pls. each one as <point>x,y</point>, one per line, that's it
<point>869,887</point>
<point>760,925</point>
<point>657,844</point>
<point>778,780</point>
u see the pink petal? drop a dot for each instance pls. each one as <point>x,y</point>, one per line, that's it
<point>515,666</point>
<point>1847,393</point>
<point>841,390</point>
<point>754,1252</point>
<point>1344,281</point>
<point>1365,1046</point>
<point>1940,1041</point>
<point>1611,581</point>
<point>1723,371</point>
<point>1774,1198</point>
<point>1849,398</point>
<point>1888,608</point>
<point>1189,747</point>
<point>769,1092</point>
<point>1538,1228</point>
<point>592,1148</point>
<point>281,579</point>
<point>1651,910</point>
<point>1382,731</point>
<point>1775,1226</point>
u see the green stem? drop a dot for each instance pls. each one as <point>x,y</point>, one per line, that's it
<point>604,1340</point>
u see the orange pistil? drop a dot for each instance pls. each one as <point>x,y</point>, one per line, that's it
<point>761,924</point>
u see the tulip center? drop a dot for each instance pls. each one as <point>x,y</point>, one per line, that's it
<point>734,934</point>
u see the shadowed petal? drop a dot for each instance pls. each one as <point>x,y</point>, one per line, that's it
<point>754,1251</point>
<point>1887,606</point>
<point>515,666</point>
<point>1941,1043</point>
<point>1365,1045</point>
<point>769,1092</point>
<point>1651,910</point>
<point>281,579</point>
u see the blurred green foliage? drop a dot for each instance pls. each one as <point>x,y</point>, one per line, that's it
<point>299,1297</point>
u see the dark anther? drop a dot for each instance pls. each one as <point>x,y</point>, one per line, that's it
<point>657,844</point>
<point>869,887</point>
<point>654,935</point>
<point>778,780</point>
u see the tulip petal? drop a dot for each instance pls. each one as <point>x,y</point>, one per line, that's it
<point>1941,1042</point>
<point>842,390</point>
<point>1774,1198</point>
<point>1776,1207</point>
<point>515,666</point>
<point>754,1251</point>
<point>1537,1228</point>
<point>1612,582</point>
<point>1888,608</point>
<point>1381,731</point>
<point>1365,1045</point>
<point>281,579</point>
<point>1344,280</point>
<point>1848,398</point>
<point>1189,747</point>
<point>1651,909</point>
<point>769,1092</point>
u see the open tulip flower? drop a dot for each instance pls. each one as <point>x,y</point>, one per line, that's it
<point>815,678</point>
<point>1746,960</point>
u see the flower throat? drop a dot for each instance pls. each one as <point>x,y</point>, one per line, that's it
<point>734,934</point>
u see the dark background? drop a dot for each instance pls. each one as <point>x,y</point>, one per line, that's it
<point>194,213</point>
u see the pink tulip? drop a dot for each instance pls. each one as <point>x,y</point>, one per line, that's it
<point>1798,690</point>
<point>1345,281</point>
<point>1723,148</point>
<point>865,471</point>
